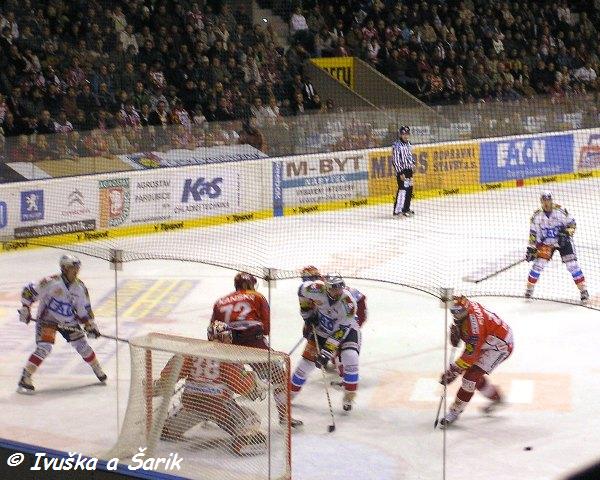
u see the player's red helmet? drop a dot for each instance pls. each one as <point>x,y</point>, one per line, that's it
<point>310,272</point>
<point>244,281</point>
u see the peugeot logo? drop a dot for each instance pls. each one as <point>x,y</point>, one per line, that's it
<point>76,197</point>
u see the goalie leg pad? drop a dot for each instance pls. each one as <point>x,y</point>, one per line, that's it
<point>251,443</point>
<point>180,422</point>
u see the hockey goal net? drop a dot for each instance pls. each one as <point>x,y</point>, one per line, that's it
<point>224,409</point>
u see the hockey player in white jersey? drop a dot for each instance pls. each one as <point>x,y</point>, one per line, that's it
<point>552,228</point>
<point>64,305</point>
<point>328,307</point>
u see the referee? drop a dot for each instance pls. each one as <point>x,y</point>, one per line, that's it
<point>404,164</point>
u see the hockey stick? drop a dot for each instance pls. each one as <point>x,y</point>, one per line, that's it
<point>443,396</point>
<point>74,329</point>
<point>118,339</point>
<point>296,346</point>
<point>474,278</point>
<point>330,428</point>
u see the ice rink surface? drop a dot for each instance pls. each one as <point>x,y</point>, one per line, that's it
<point>550,380</point>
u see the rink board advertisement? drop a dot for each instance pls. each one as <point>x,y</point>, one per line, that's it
<point>586,150</point>
<point>526,156</point>
<point>311,183</point>
<point>198,156</point>
<point>102,206</point>
<point>442,167</point>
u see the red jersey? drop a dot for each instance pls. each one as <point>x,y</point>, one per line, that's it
<point>482,330</point>
<point>214,381</point>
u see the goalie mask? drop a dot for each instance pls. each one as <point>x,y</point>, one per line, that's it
<point>334,285</point>
<point>310,273</point>
<point>219,332</point>
<point>244,281</point>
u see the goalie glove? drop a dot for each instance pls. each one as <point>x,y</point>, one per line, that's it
<point>450,375</point>
<point>259,392</point>
<point>91,329</point>
<point>531,253</point>
<point>24,314</point>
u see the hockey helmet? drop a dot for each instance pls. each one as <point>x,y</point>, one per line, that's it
<point>459,307</point>
<point>546,195</point>
<point>334,284</point>
<point>310,272</point>
<point>244,281</point>
<point>67,261</point>
<point>219,332</point>
<point>404,129</point>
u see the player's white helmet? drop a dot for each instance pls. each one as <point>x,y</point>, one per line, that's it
<point>547,195</point>
<point>334,285</point>
<point>459,307</point>
<point>67,261</point>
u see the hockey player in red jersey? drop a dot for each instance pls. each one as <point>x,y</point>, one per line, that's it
<point>247,312</point>
<point>488,342</point>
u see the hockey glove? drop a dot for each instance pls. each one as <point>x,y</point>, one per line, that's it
<point>563,238</point>
<point>322,358</point>
<point>24,314</point>
<point>450,375</point>
<point>531,254</point>
<point>454,335</point>
<point>91,329</point>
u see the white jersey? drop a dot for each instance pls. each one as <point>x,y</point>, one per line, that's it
<point>546,226</point>
<point>59,303</point>
<point>336,317</point>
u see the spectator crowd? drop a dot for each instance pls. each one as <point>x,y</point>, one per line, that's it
<point>113,77</point>
<point>459,51</point>
<point>109,77</point>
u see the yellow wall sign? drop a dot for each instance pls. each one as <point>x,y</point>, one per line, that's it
<point>443,167</point>
<point>340,68</point>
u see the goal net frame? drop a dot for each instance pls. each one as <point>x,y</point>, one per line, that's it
<point>143,423</point>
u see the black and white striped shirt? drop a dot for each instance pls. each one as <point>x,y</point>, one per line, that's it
<point>402,156</point>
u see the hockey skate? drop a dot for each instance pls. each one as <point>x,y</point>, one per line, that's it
<point>449,419</point>
<point>348,401</point>
<point>99,373</point>
<point>493,406</point>
<point>25,384</point>
<point>294,422</point>
<point>528,292</point>
<point>585,296</point>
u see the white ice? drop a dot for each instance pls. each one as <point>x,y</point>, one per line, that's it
<point>550,380</point>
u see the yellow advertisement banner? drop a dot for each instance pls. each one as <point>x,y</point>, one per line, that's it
<point>340,68</point>
<point>440,167</point>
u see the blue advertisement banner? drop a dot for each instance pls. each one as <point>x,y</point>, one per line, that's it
<point>508,159</point>
<point>277,189</point>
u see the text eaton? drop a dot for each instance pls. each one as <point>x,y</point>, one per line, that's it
<point>520,152</point>
<point>199,188</point>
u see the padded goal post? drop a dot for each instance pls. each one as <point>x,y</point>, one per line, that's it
<point>211,403</point>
